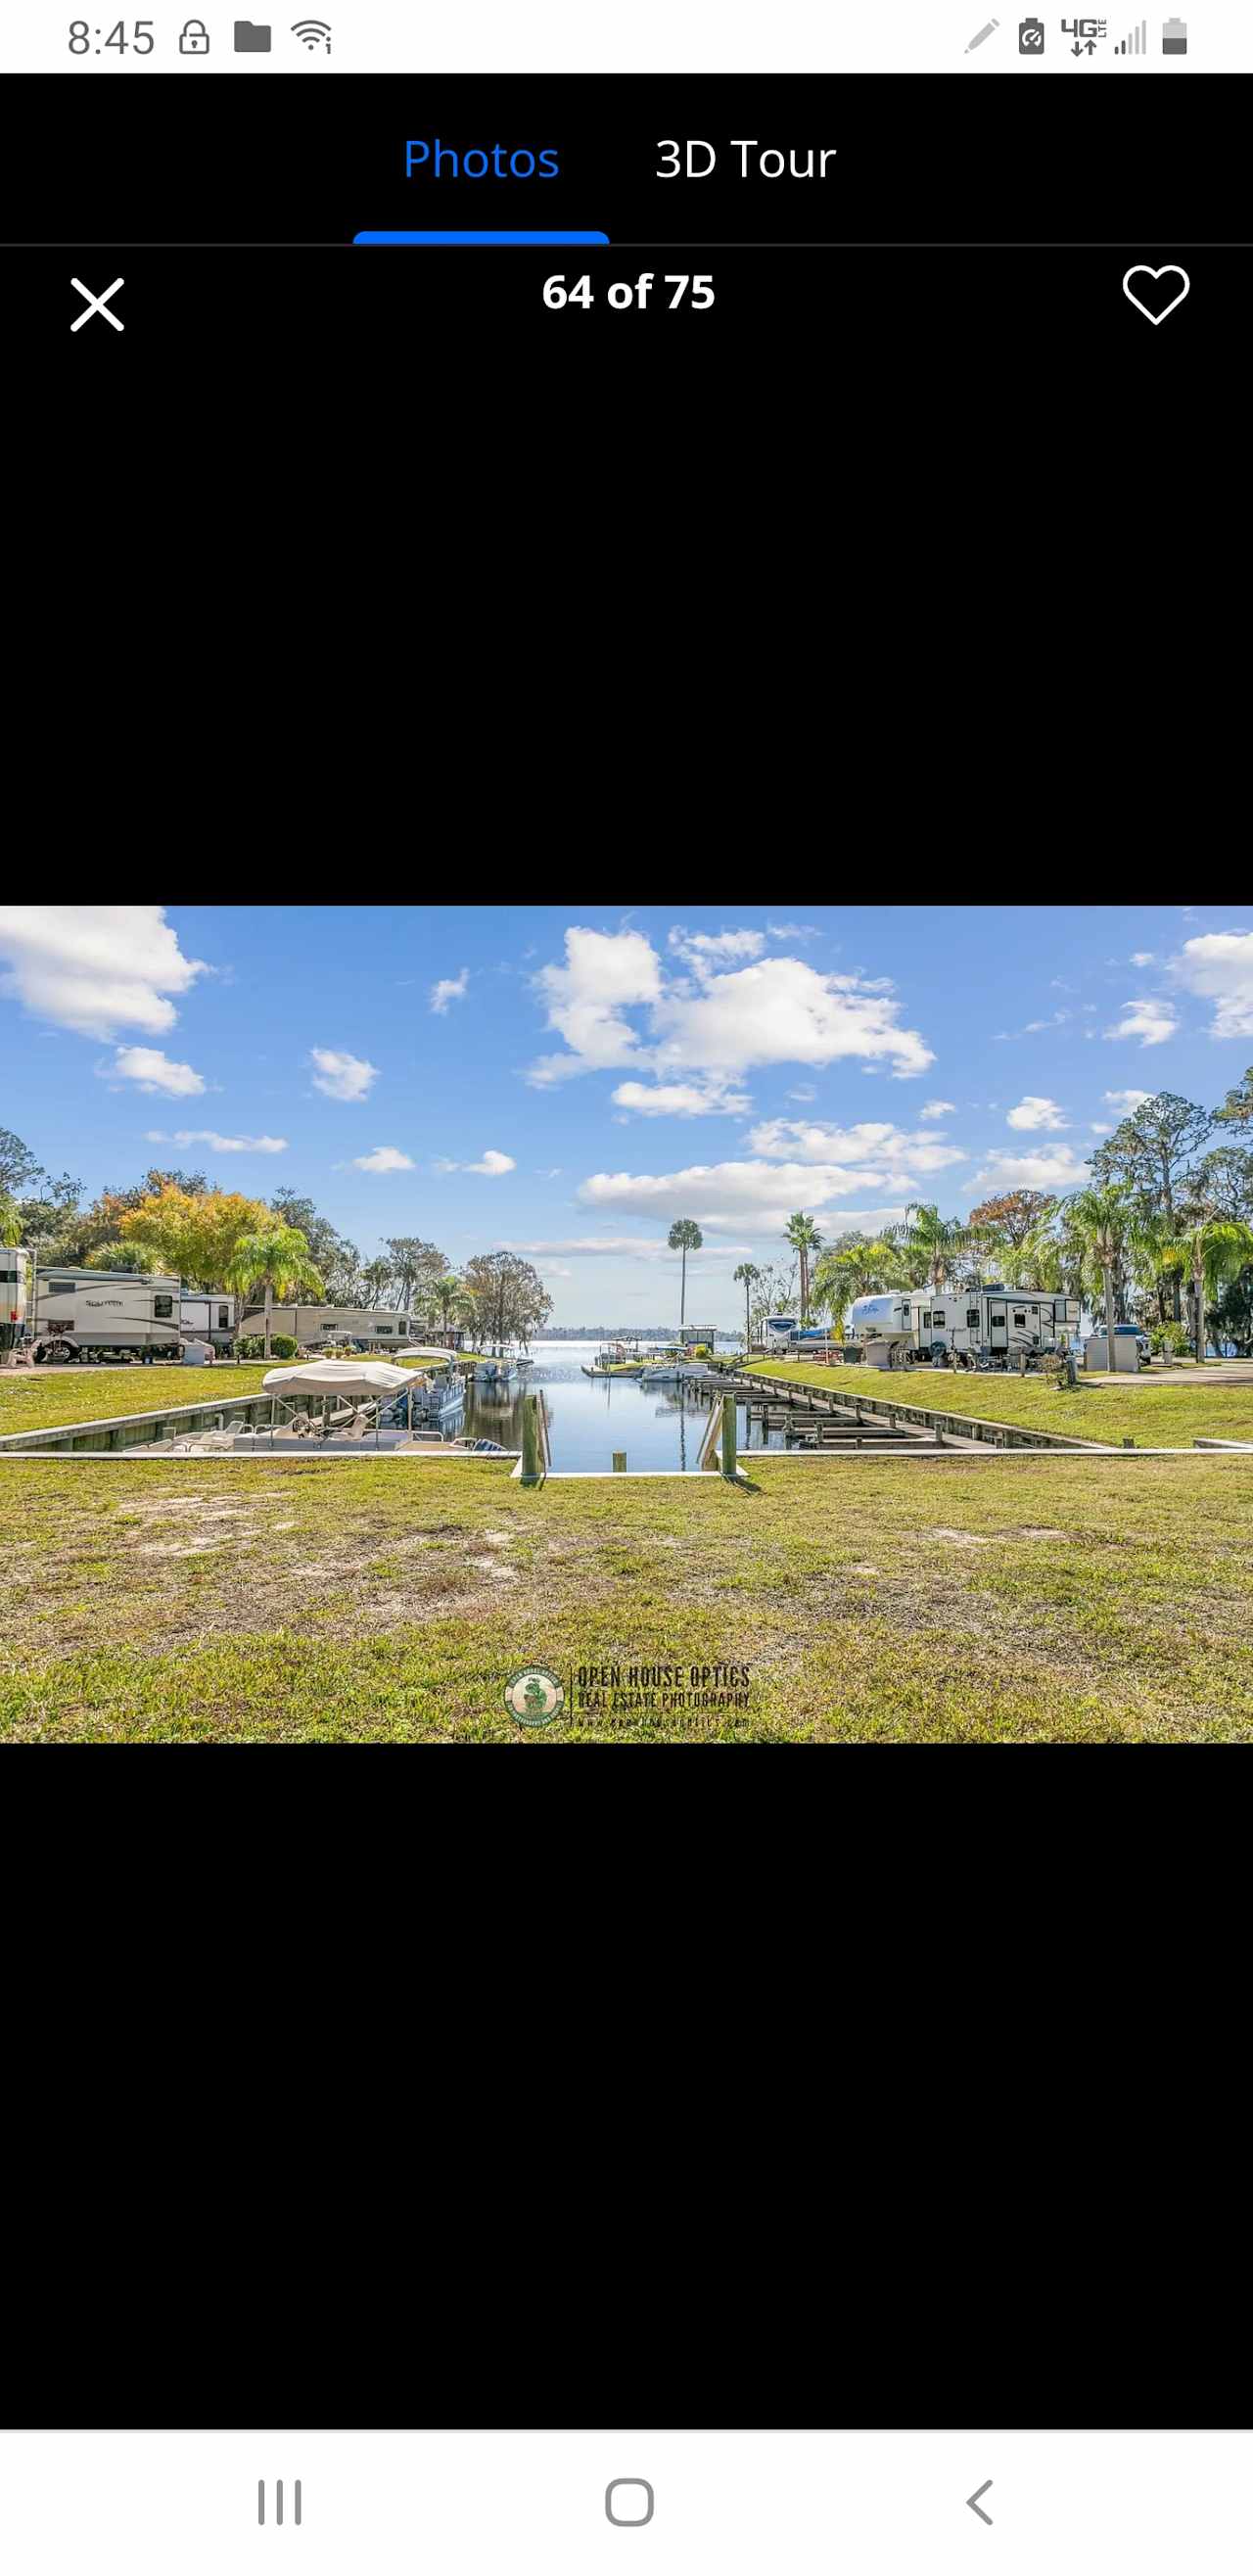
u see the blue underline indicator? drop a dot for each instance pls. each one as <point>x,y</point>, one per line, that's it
<point>484,241</point>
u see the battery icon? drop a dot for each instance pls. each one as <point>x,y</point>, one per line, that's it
<point>1175,36</point>
<point>1031,36</point>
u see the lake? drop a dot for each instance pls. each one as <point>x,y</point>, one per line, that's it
<point>588,1418</point>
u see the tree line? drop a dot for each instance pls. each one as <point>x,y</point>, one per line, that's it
<point>182,1224</point>
<point>1166,1223</point>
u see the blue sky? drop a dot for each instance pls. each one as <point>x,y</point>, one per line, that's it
<point>568,1079</point>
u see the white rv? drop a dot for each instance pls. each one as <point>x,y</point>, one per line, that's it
<point>312,1327</point>
<point>15,1276</point>
<point>977,1323</point>
<point>86,1314</point>
<point>208,1318</point>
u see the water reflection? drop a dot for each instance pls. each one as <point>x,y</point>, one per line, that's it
<point>589,1418</point>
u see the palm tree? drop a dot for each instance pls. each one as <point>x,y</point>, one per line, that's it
<point>850,1270</point>
<point>685,1236</point>
<point>1102,1222</point>
<point>803,1235</point>
<point>450,1298</point>
<point>931,1245</point>
<point>276,1258</point>
<point>444,1293</point>
<point>1036,1262</point>
<point>747,1276</point>
<point>1212,1249</point>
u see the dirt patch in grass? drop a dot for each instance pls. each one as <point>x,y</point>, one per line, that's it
<point>175,1547</point>
<point>1063,1600</point>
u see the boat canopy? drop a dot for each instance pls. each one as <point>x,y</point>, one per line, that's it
<point>336,1377</point>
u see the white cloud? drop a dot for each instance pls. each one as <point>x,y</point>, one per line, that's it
<point>1034,1111</point>
<point>1099,1127</point>
<point>153,1071</point>
<point>1031,1028</point>
<point>342,1076</point>
<point>450,988</point>
<point>782,1012</point>
<point>385,1158</point>
<point>1125,1101</point>
<point>808,1091</point>
<point>94,967</point>
<point>681,1100</point>
<point>704,949</point>
<point>1150,1020</point>
<point>1219,967</point>
<point>492,1163</point>
<point>727,1197</point>
<point>639,1247</point>
<point>220,1144</point>
<point>1142,957</point>
<point>604,974</point>
<point>794,930</point>
<point>776,1010</point>
<point>938,1109</point>
<point>892,1150</point>
<point>1061,1169</point>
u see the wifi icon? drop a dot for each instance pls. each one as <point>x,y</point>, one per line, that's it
<point>312,33</point>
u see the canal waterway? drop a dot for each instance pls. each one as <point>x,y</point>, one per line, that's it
<point>590,1418</point>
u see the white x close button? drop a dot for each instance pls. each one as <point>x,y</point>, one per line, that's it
<point>97,304</point>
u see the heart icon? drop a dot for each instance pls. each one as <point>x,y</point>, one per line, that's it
<point>1156,274</point>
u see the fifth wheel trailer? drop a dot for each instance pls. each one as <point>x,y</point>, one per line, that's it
<point>312,1327</point>
<point>79,1313</point>
<point>932,1323</point>
<point>208,1318</point>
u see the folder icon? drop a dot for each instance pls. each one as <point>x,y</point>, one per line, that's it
<point>250,39</point>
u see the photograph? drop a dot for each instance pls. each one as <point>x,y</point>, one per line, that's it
<point>796,1323</point>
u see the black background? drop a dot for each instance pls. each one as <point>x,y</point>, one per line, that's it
<point>874,2089</point>
<point>982,223</point>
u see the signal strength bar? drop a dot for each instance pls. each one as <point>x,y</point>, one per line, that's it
<point>1137,42</point>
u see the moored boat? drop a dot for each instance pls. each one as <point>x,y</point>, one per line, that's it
<point>493,1372</point>
<point>616,1360</point>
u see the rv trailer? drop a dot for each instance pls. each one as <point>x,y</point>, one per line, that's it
<point>15,1285</point>
<point>205,1318</point>
<point>991,1324</point>
<point>313,1327</point>
<point>84,1314</point>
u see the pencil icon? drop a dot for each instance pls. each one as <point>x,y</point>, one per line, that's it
<point>983,35</point>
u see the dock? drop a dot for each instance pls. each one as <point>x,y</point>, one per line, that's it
<point>813,1418</point>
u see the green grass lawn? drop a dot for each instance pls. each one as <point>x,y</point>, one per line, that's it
<point>1167,1416</point>
<point>47,1398</point>
<point>956,1600</point>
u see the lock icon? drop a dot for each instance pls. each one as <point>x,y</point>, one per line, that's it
<point>194,38</point>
